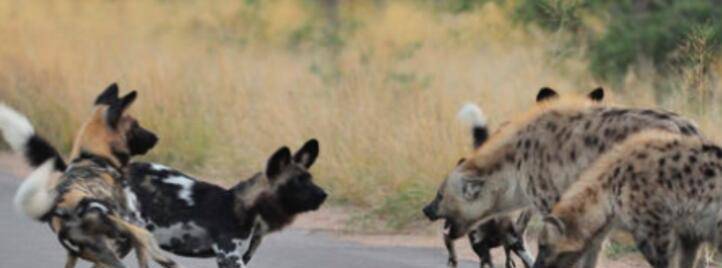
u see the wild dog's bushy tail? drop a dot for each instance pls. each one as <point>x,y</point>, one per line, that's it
<point>471,114</point>
<point>34,196</point>
<point>20,135</point>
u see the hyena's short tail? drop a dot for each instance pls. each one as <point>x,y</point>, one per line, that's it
<point>144,242</point>
<point>34,197</point>
<point>471,114</point>
<point>21,136</point>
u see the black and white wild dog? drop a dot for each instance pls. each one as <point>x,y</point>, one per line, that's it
<point>532,160</point>
<point>197,219</point>
<point>86,206</point>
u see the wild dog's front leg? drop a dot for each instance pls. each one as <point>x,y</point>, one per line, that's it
<point>449,243</point>
<point>229,252</point>
<point>256,240</point>
<point>479,243</point>
<point>515,241</point>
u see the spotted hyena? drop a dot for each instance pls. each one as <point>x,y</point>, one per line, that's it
<point>662,187</point>
<point>536,156</point>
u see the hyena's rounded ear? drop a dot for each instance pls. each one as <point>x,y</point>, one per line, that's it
<point>556,222</point>
<point>308,153</point>
<point>108,96</point>
<point>116,110</point>
<point>546,93</point>
<point>461,160</point>
<point>597,94</point>
<point>278,162</point>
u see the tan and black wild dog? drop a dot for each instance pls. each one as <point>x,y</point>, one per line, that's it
<point>86,206</point>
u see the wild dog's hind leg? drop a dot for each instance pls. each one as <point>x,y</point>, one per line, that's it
<point>71,260</point>
<point>145,244</point>
<point>228,252</point>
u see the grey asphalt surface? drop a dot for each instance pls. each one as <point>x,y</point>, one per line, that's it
<point>27,243</point>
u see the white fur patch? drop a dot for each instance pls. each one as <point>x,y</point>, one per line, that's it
<point>34,197</point>
<point>186,187</point>
<point>16,128</point>
<point>471,114</point>
<point>158,167</point>
<point>166,234</point>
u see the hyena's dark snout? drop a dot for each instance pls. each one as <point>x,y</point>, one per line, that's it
<point>431,211</point>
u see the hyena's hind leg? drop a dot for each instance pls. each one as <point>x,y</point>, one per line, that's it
<point>688,250</point>
<point>657,247</point>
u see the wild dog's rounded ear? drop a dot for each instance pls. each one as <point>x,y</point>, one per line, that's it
<point>556,222</point>
<point>597,94</point>
<point>116,110</point>
<point>278,162</point>
<point>546,93</point>
<point>109,95</point>
<point>306,156</point>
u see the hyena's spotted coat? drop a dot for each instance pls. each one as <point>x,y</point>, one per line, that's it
<point>533,159</point>
<point>664,188</point>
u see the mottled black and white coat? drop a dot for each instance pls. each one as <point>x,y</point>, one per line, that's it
<point>192,218</point>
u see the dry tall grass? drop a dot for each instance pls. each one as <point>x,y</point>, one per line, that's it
<point>224,86</point>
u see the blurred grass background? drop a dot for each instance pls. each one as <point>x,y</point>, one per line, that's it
<point>225,83</point>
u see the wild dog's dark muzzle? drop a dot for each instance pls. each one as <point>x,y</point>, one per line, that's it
<point>141,141</point>
<point>319,196</point>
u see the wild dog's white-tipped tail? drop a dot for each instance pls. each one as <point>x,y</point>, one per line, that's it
<point>16,128</point>
<point>34,196</point>
<point>471,114</point>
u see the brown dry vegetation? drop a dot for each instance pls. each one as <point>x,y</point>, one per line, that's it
<point>225,84</point>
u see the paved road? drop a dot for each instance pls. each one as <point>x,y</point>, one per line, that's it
<point>25,243</point>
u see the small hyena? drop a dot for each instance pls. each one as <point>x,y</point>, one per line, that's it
<point>534,158</point>
<point>662,187</point>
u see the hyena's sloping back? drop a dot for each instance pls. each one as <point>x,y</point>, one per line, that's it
<point>548,148</point>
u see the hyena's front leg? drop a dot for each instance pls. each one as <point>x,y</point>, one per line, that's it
<point>229,252</point>
<point>657,247</point>
<point>689,248</point>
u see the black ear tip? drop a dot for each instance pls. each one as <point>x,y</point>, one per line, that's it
<point>109,95</point>
<point>313,143</point>
<point>545,93</point>
<point>130,96</point>
<point>597,94</point>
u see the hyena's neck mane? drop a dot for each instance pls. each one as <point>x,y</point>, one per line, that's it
<point>505,147</point>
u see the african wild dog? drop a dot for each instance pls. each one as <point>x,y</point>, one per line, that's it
<point>501,231</point>
<point>664,188</point>
<point>86,206</point>
<point>197,219</point>
<point>534,158</point>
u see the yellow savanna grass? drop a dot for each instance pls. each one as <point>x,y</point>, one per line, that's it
<point>225,83</point>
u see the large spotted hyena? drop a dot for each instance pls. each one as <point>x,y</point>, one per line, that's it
<point>662,187</point>
<point>536,156</point>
